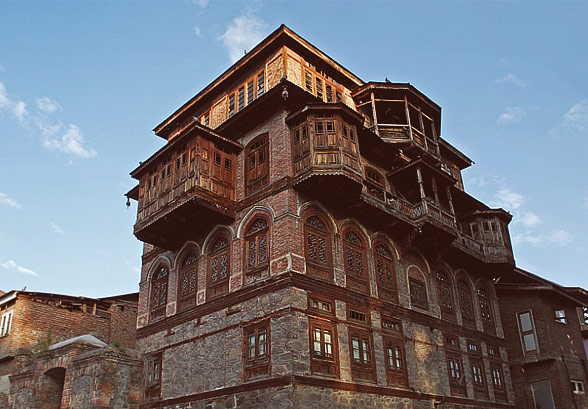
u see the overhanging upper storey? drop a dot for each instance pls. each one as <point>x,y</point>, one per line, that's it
<point>283,54</point>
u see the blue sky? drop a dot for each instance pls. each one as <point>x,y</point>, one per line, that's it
<point>82,85</point>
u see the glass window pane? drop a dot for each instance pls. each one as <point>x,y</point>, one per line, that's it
<point>525,319</point>
<point>529,340</point>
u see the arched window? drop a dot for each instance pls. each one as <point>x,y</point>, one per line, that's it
<point>187,281</point>
<point>465,303</point>
<point>159,292</point>
<point>356,267</point>
<point>445,296</point>
<point>256,245</point>
<point>317,248</point>
<point>486,311</point>
<point>219,268</point>
<point>385,273</point>
<point>418,288</point>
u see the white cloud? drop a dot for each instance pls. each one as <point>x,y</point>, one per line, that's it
<point>48,105</point>
<point>512,79</point>
<point>585,201</point>
<point>5,199</point>
<point>507,199</point>
<point>201,3</point>
<point>197,31</point>
<point>11,265</point>
<point>57,229</point>
<point>14,106</point>
<point>529,219</point>
<point>19,110</point>
<point>512,115</point>
<point>577,116</point>
<point>72,142</point>
<point>559,238</point>
<point>243,33</point>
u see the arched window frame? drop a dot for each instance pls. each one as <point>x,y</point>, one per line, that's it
<point>417,285</point>
<point>257,244</point>
<point>355,260</point>
<point>318,246</point>
<point>385,268</point>
<point>445,295</point>
<point>486,311</point>
<point>466,304</point>
<point>159,290</point>
<point>219,267</point>
<point>187,280</point>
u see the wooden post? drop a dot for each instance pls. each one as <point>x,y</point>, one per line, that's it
<point>421,189</point>
<point>408,119</point>
<point>374,113</point>
<point>435,193</point>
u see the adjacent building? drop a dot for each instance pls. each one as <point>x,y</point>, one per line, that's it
<point>55,353</point>
<point>309,243</point>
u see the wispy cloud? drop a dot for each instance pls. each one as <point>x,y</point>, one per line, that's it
<point>70,141</point>
<point>528,219</point>
<point>56,136</point>
<point>508,199</point>
<point>574,121</point>
<point>511,115</point>
<point>197,31</point>
<point>559,238</point>
<point>242,34</point>
<point>48,105</point>
<point>11,265</point>
<point>57,229</point>
<point>201,3</point>
<point>513,80</point>
<point>7,200</point>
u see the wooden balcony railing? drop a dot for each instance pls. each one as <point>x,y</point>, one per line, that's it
<point>488,252</point>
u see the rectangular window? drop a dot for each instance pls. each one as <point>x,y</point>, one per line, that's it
<point>6,323</point>
<point>527,332</point>
<point>578,387</point>
<point>260,84</point>
<point>455,372</point>
<point>478,373</point>
<point>474,347</point>
<point>241,98</point>
<point>232,105</point>
<point>323,347</point>
<point>497,378</point>
<point>560,316</point>
<point>542,395</point>
<point>308,80</point>
<point>362,366</point>
<point>319,88</point>
<point>319,127</point>
<point>339,96</point>
<point>330,126</point>
<point>153,376</point>
<point>492,350</point>
<point>395,361</point>
<point>207,119</point>
<point>418,293</point>
<point>329,92</point>
<point>357,316</point>
<point>256,350</point>
<point>250,94</point>
<point>320,305</point>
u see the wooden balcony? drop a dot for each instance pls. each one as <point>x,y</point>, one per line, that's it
<point>186,189</point>
<point>411,139</point>
<point>492,253</point>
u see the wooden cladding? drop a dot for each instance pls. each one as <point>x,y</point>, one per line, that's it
<point>199,163</point>
<point>325,140</point>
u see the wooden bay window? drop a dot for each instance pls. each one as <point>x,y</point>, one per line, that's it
<point>257,163</point>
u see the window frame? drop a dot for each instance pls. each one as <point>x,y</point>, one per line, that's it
<point>578,387</point>
<point>257,176</point>
<point>320,362</point>
<point>478,373</point>
<point>486,305</point>
<point>220,286</point>
<point>394,339</point>
<point>414,302</point>
<point>445,285</point>
<point>188,265</point>
<point>499,387</point>
<point>455,367</point>
<point>354,245</point>
<point>314,267</point>
<point>6,323</point>
<point>363,369</point>
<point>523,333</point>
<point>259,365</point>
<point>255,234</point>
<point>153,365</point>
<point>387,287</point>
<point>159,284</point>
<point>561,317</point>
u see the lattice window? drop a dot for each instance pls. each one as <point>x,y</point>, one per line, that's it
<point>219,270</point>
<point>257,163</point>
<point>256,244</point>
<point>159,292</point>
<point>445,295</point>
<point>317,248</point>
<point>486,310</point>
<point>385,273</point>
<point>465,303</point>
<point>418,293</point>
<point>188,279</point>
<point>355,261</point>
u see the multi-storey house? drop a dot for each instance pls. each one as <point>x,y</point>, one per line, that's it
<point>543,325</point>
<point>309,243</point>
